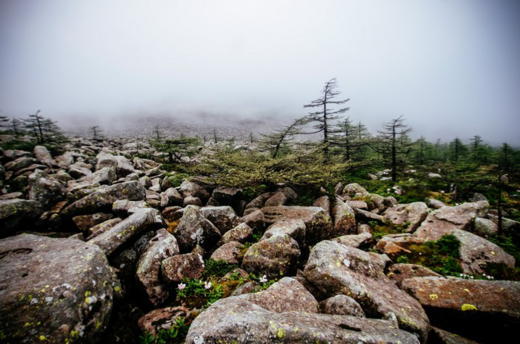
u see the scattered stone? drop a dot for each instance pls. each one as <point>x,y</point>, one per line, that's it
<point>240,233</point>
<point>485,227</point>
<point>354,189</point>
<point>171,214</point>
<point>101,228</point>
<point>17,213</point>
<point>259,201</point>
<point>435,204</point>
<point>444,337</point>
<point>324,203</point>
<point>190,200</point>
<point>41,153</point>
<point>124,206</point>
<point>161,319</point>
<point>341,305</point>
<point>255,220</point>
<point>228,252</point>
<point>188,188</point>
<point>171,197</point>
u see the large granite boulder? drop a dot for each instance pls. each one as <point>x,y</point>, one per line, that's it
<point>137,223</point>
<point>341,305</point>
<point>228,252</point>
<point>274,257</point>
<point>16,213</point>
<point>317,222</point>
<point>194,229</point>
<point>486,311</point>
<point>53,290</point>
<point>445,220</point>
<point>163,245</point>
<point>240,233</point>
<point>42,154</point>
<point>338,269</point>
<point>176,268</point>
<point>188,188</point>
<point>236,320</point>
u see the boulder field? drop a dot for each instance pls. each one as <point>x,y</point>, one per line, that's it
<point>100,248</point>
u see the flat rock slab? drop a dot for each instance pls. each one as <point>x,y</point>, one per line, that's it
<point>473,308</point>
<point>117,236</point>
<point>413,213</point>
<point>235,320</point>
<point>53,290</point>
<point>338,269</point>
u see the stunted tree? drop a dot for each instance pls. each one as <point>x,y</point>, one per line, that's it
<point>393,142</point>
<point>16,127</point>
<point>325,114</point>
<point>275,140</point>
<point>349,137</point>
<point>457,150</point>
<point>176,148</point>
<point>43,129</point>
<point>157,132</point>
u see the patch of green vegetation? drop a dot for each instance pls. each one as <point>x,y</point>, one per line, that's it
<point>441,256</point>
<point>177,178</point>
<point>198,293</point>
<point>379,230</point>
<point>217,268</point>
<point>507,243</point>
<point>175,334</point>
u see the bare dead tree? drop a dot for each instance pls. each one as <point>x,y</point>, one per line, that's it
<point>325,115</point>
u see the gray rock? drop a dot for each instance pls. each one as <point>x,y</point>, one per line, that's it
<point>17,213</point>
<point>413,213</point>
<point>117,236</point>
<point>171,197</point>
<point>163,245</point>
<point>240,233</point>
<point>161,319</point>
<point>19,163</point>
<point>194,229</point>
<point>224,217</point>
<point>354,189</point>
<point>54,290</point>
<point>45,189</point>
<point>273,257</point>
<point>226,195</point>
<point>357,240</point>
<point>190,200</point>
<point>104,159</point>
<point>485,227</point>
<point>435,204</point>
<point>341,305</point>
<point>286,295</point>
<point>317,222</point>
<point>279,198</point>
<point>172,213</point>
<point>85,222</point>
<point>228,252</point>
<point>255,220</point>
<point>41,153</point>
<point>344,219</point>
<point>338,269</point>
<point>77,171</point>
<point>323,202</point>
<point>445,337</point>
<point>123,166</point>
<point>124,206</point>
<point>101,228</point>
<point>259,201</point>
<point>237,320</point>
<point>188,188</point>
<point>295,228</point>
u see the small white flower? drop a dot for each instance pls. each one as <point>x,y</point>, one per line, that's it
<point>346,262</point>
<point>181,286</point>
<point>207,285</point>
<point>263,279</point>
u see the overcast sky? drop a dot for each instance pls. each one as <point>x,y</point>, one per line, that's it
<point>450,67</point>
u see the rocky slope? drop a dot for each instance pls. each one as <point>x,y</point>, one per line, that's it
<point>100,248</point>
